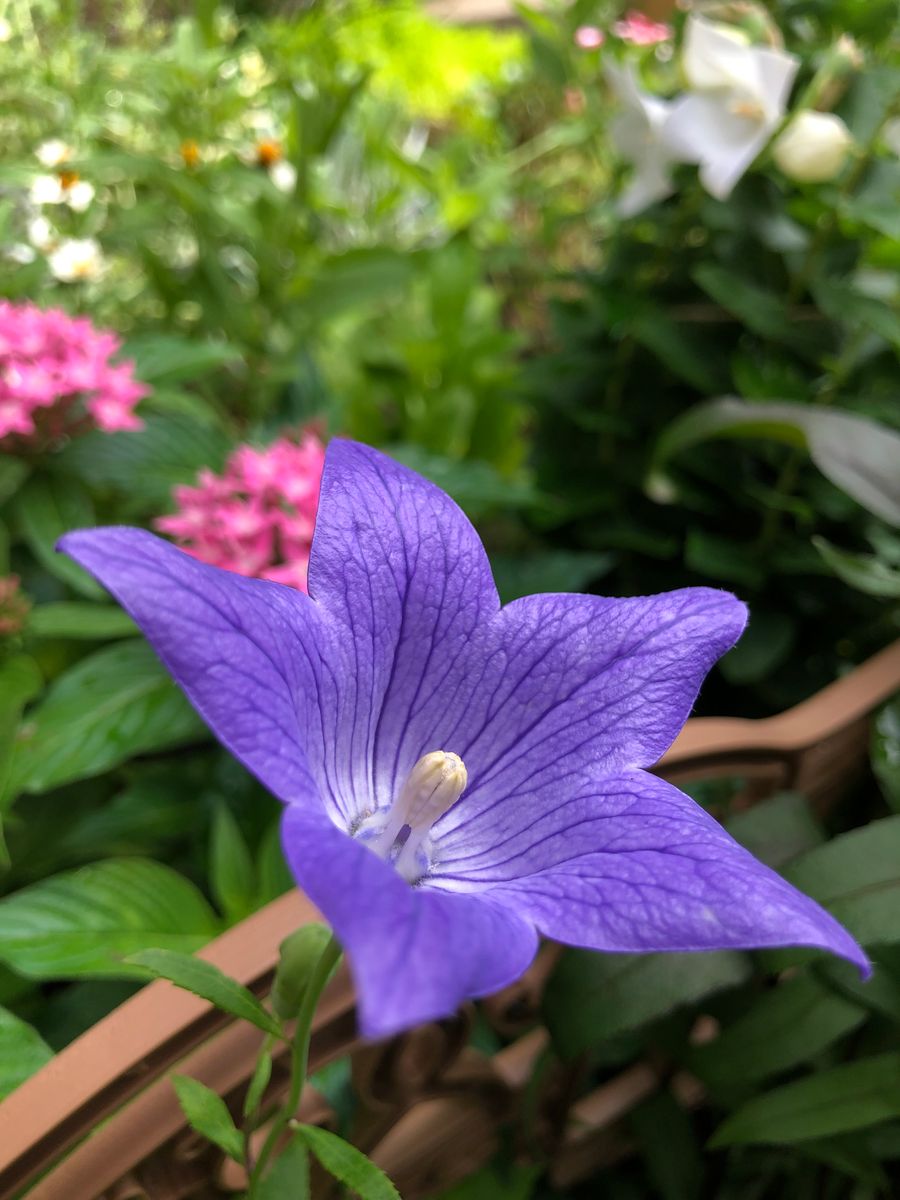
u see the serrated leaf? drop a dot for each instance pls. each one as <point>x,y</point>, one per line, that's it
<point>112,705</point>
<point>78,620</point>
<point>592,997</point>
<point>786,1026</point>
<point>347,1164</point>
<point>206,980</point>
<point>22,1051</point>
<point>206,1112</point>
<point>848,1097</point>
<point>46,508</point>
<point>288,1177</point>
<point>232,877</point>
<point>86,922</point>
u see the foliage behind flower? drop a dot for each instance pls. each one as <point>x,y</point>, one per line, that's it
<point>14,606</point>
<point>256,518</point>
<point>57,378</point>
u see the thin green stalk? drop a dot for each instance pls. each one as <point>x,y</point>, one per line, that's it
<point>299,1059</point>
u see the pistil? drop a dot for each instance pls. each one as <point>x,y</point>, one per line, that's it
<point>433,786</point>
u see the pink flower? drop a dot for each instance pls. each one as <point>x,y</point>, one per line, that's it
<point>57,379</point>
<point>637,28</point>
<point>14,607</point>
<point>589,37</point>
<point>257,517</point>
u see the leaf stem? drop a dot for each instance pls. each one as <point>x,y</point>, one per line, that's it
<point>299,1060</point>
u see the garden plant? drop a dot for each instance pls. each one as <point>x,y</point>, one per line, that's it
<point>404,429</point>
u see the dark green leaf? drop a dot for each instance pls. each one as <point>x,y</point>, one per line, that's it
<point>85,922</point>
<point>550,571</point>
<point>845,1098</point>
<point>516,1182</point>
<point>13,473</point>
<point>865,572</point>
<point>47,508</point>
<point>786,1026</point>
<point>288,1178</point>
<point>206,1112</point>
<point>232,878</point>
<point>78,620</point>
<point>203,979</point>
<point>886,751</point>
<point>20,681</point>
<point>667,1141</point>
<point>161,358</point>
<point>778,829</point>
<point>764,645</point>
<point>721,558</point>
<point>114,704</point>
<point>593,997</point>
<point>475,486</point>
<point>347,1164</point>
<point>758,309</point>
<point>272,873</point>
<point>22,1052</point>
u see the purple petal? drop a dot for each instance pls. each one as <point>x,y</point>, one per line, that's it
<point>247,653</point>
<point>629,863</point>
<point>568,679</point>
<point>416,953</point>
<point>404,577</point>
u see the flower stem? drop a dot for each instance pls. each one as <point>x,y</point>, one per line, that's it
<point>299,1060</point>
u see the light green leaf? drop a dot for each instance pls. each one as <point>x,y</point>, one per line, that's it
<point>865,572</point>
<point>13,473</point>
<point>830,1102</point>
<point>203,979</point>
<point>78,620</point>
<point>786,1026</point>
<point>288,1178</point>
<point>112,705</point>
<point>162,358</point>
<point>207,1113</point>
<point>232,877</point>
<point>20,681</point>
<point>855,453</point>
<point>592,997</point>
<point>259,1081</point>
<point>46,508</point>
<point>22,1052</point>
<point>886,751</point>
<point>86,922</point>
<point>347,1164</point>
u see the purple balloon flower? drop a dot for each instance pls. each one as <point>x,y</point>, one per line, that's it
<point>459,777</point>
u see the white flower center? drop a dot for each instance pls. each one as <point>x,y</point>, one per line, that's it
<point>433,786</point>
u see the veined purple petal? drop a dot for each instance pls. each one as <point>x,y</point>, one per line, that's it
<point>629,863</point>
<point>250,655</point>
<point>403,575</point>
<point>415,952</point>
<point>567,682</point>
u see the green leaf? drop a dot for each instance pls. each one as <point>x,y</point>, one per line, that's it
<point>678,347</point>
<point>203,979</point>
<point>20,681</point>
<point>865,572</point>
<point>786,1026</point>
<point>232,877</point>
<point>847,306</point>
<point>288,1178</point>
<point>46,508</point>
<point>721,558</point>
<point>475,486</point>
<point>207,1113</point>
<point>549,571</point>
<point>830,1102</point>
<point>875,204</point>
<point>86,922</point>
<point>259,1081</point>
<point>13,473</point>
<point>760,310</point>
<point>857,454</point>
<point>885,753</point>
<point>273,875</point>
<point>777,830</point>
<point>667,1142</point>
<point>513,1181</point>
<point>358,277</point>
<point>857,878</point>
<point>592,997</point>
<point>298,956</point>
<point>78,620</point>
<point>22,1052</point>
<point>347,1164</point>
<point>162,358</point>
<point>114,704</point>
<point>765,644</point>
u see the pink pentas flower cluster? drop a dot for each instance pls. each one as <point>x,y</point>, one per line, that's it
<point>257,517</point>
<point>638,29</point>
<point>58,378</point>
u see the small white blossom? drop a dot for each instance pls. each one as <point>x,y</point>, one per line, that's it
<point>77,260</point>
<point>53,153</point>
<point>79,195</point>
<point>41,234</point>
<point>813,148</point>
<point>6,30</point>
<point>284,175</point>
<point>638,131</point>
<point>739,98</point>
<point>51,189</point>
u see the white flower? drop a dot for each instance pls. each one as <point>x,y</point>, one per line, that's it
<point>41,234</point>
<point>53,153</point>
<point>740,96</point>
<point>638,131</point>
<point>55,189</point>
<point>79,195</point>
<point>813,148</point>
<point>6,30</point>
<point>284,175</point>
<point>77,260</point>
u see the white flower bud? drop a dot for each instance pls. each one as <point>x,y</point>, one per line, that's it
<point>813,148</point>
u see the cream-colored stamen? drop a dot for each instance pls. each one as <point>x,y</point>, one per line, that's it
<point>433,786</point>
